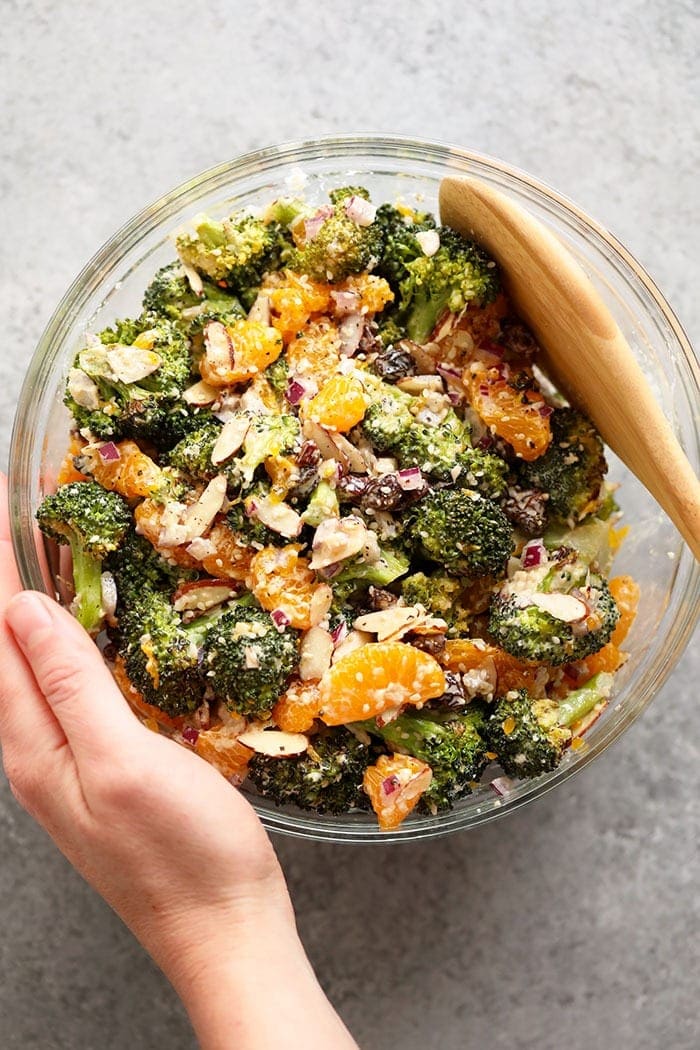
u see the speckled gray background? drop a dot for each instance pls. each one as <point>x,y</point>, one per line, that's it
<point>575,922</point>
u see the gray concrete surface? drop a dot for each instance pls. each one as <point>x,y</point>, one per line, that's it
<point>575,922</point>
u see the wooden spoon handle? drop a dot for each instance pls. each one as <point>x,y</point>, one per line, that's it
<point>585,353</point>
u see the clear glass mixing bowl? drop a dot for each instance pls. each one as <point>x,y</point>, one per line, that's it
<point>111,286</point>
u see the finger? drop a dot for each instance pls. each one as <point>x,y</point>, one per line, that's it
<point>9,577</point>
<point>27,723</point>
<point>71,674</point>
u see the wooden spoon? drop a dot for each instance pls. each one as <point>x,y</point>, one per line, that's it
<point>584,351</point>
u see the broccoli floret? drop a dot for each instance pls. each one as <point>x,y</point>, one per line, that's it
<point>530,735</point>
<point>170,295</point>
<point>442,596</point>
<point>399,244</point>
<point>235,253</point>
<point>268,436</point>
<point>94,523</point>
<point>193,453</point>
<point>137,567</point>
<point>467,533</point>
<point>572,469</point>
<point>277,375</point>
<point>391,427</point>
<point>357,576</point>
<point>451,743</point>
<point>340,246</point>
<point>247,659</point>
<point>100,393</point>
<point>327,779</point>
<point>161,654</point>
<point>534,634</point>
<point>177,422</point>
<point>482,471</point>
<point>390,331</point>
<point>387,418</point>
<point>323,504</point>
<point>458,273</point>
<point>248,528</point>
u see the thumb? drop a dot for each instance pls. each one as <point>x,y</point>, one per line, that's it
<point>71,674</point>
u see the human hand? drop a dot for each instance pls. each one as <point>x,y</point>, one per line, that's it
<point>160,834</point>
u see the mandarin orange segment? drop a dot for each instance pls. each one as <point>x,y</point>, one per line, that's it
<point>520,417</point>
<point>297,708</point>
<point>373,292</point>
<point>294,299</point>
<point>464,654</point>
<point>339,405</point>
<point>227,554</point>
<point>133,475</point>
<point>148,516</point>
<point>608,659</point>
<point>625,591</point>
<point>221,748</point>
<point>315,354</point>
<point>280,579</point>
<point>378,677</point>
<point>394,786</point>
<point>237,352</point>
<point>67,472</point>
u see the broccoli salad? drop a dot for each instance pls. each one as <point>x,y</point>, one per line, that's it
<point>332,529</point>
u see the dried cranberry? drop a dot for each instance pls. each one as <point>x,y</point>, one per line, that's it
<point>429,643</point>
<point>393,364</point>
<point>527,508</point>
<point>380,599</point>
<point>518,339</point>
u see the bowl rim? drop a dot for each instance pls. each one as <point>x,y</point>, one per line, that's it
<point>270,157</point>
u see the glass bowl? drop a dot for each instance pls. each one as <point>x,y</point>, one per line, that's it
<point>111,285</point>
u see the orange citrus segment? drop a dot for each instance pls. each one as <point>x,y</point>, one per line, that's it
<point>315,354</point>
<point>294,299</point>
<point>464,654</point>
<point>378,677</point>
<point>395,785</point>
<point>625,591</point>
<point>373,292</point>
<point>252,347</point>
<point>133,475</point>
<point>339,405</point>
<point>280,579</point>
<point>67,472</point>
<point>609,659</point>
<point>228,555</point>
<point>297,708</point>
<point>515,415</point>
<point>224,751</point>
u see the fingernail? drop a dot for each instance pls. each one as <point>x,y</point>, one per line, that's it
<point>28,614</point>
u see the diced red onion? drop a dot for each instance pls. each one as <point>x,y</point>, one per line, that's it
<point>350,332</point>
<point>296,390</point>
<point>410,479</point>
<point>190,734</point>
<point>251,508</point>
<point>485,441</point>
<point>454,397</point>
<point>109,452</point>
<point>390,785</point>
<point>280,617</point>
<point>360,210</point>
<point>449,372</point>
<point>339,633</point>
<point>314,224</point>
<point>502,785</point>
<point>534,553</point>
<point>503,370</point>
<point>484,389</point>
<point>346,302</point>
<point>545,411</point>
<point>329,571</point>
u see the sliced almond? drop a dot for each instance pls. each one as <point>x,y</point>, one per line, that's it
<point>419,384</point>
<point>260,310</point>
<point>131,363</point>
<point>320,603</point>
<point>195,281</point>
<point>218,346</point>
<point>83,390</point>
<point>315,654</point>
<point>274,743</point>
<point>230,439</point>
<point>201,514</point>
<point>335,446</point>
<point>200,595</point>
<point>200,394</point>
<point>278,516</point>
<point>354,640</point>
<point>561,606</point>
<point>336,539</point>
<point>392,622</point>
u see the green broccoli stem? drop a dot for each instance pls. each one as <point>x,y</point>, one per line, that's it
<point>210,232</point>
<point>423,317</point>
<point>87,580</point>
<point>581,701</point>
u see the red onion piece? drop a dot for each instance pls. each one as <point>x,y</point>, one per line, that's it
<point>410,479</point>
<point>296,390</point>
<point>502,785</point>
<point>390,785</point>
<point>109,452</point>
<point>190,734</point>
<point>339,633</point>
<point>314,224</point>
<point>454,397</point>
<point>449,372</point>
<point>346,302</point>
<point>280,617</point>
<point>534,553</point>
<point>484,389</point>
<point>360,211</point>
<point>545,411</point>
